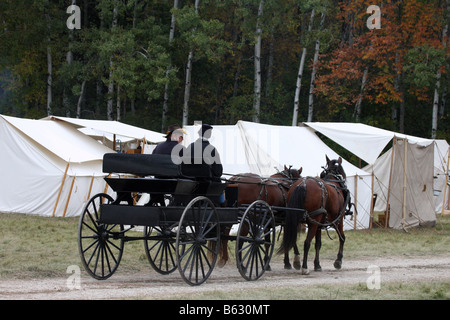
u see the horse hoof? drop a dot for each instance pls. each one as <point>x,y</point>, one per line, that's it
<point>221,263</point>
<point>268,268</point>
<point>305,271</point>
<point>318,269</point>
<point>297,265</point>
<point>338,264</point>
<point>287,267</point>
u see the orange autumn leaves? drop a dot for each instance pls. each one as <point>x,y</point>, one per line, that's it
<point>410,30</point>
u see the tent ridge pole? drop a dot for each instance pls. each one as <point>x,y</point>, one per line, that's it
<point>443,212</point>
<point>405,150</point>
<point>387,212</point>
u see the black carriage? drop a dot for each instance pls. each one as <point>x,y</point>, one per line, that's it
<point>183,231</point>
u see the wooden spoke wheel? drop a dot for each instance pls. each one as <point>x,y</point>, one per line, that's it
<point>100,245</point>
<point>255,240</point>
<point>159,243</point>
<point>198,238</point>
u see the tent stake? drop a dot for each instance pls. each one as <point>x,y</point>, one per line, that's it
<point>60,189</point>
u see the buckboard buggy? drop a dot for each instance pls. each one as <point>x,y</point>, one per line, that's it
<point>182,232</point>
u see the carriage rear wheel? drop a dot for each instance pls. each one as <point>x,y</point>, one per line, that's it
<point>255,240</point>
<point>100,245</point>
<point>160,248</point>
<point>198,238</point>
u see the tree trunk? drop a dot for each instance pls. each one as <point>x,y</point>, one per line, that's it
<point>118,103</point>
<point>313,75</point>
<point>434,123</point>
<point>80,99</point>
<point>299,77</point>
<point>187,86</point>
<point>270,66</point>
<point>434,120</point>
<point>257,59</point>
<point>402,103</point>
<point>357,112</point>
<point>166,87</point>
<point>109,108</point>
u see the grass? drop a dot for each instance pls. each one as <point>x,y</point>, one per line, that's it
<point>40,247</point>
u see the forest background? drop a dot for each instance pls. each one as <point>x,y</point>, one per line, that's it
<point>152,63</point>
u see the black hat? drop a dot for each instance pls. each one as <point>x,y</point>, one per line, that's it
<point>204,128</point>
<point>171,129</point>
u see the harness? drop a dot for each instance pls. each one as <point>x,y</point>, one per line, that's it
<point>341,190</point>
<point>284,184</point>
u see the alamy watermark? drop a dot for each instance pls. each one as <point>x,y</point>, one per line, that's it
<point>374,21</point>
<point>74,21</point>
<point>73,282</point>
<point>373,282</point>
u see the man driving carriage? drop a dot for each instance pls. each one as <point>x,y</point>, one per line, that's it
<point>202,151</point>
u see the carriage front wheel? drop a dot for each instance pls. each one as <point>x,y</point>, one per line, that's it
<point>100,245</point>
<point>255,240</point>
<point>198,238</point>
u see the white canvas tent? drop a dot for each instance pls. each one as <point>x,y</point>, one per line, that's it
<point>403,179</point>
<point>264,149</point>
<point>113,131</point>
<point>114,128</point>
<point>47,168</point>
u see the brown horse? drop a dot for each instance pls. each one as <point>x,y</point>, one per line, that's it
<point>324,201</point>
<point>273,190</point>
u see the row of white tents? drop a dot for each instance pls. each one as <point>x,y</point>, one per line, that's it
<point>51,167</point>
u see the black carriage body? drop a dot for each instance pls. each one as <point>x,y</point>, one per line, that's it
<point>182,182</point>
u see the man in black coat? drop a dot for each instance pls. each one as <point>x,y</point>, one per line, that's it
<point>171,140</point>
<point>202,152</point>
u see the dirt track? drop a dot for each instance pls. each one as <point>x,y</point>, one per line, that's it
<point>155,286</point>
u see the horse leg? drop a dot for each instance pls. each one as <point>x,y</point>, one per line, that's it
<point>287,264</point>
<point>340,230</point>
<point>317,246</point>
<point>301,229</point>
<point>297,265</point>
<point>311,232</point>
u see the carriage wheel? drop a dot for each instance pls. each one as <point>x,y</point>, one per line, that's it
<point>160,248</point>
<point>198,225</point>
<point>100,245</point>
<point>255,240</point>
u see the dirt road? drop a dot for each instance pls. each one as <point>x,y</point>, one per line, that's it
<point>227,280</point>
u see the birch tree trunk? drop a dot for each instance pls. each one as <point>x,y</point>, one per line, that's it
<point>49,79</point>
<point>49,67</point>
<point>313,75</point>
<point>118,107</point>
<point>166,87</point>
<point>357,112</point>
<point>187,87</point>
<point>434,121</point>
<point>109,107</point>
<point>257,59</point>
<point>299,77</point>
<point>80,99</point>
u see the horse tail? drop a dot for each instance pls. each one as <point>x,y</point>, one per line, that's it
<point>292,219</point>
